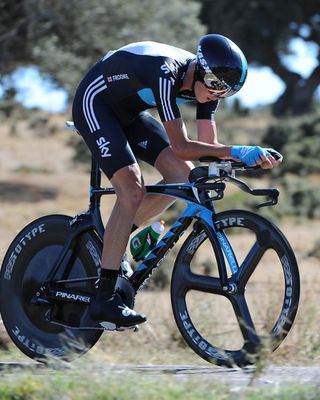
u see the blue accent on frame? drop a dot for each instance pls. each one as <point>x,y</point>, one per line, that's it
<point>169,234</point>
<point>228,252</point>
<point>141,267</point>
<point>151,256</point>
<point>191,210</point>
<point>194,209</point>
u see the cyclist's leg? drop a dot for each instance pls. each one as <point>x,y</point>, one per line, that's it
<point>149,142</point>
<point>106,139</point>
<point>108,305</point>
<point>173,170</point>
<point>128,185</point>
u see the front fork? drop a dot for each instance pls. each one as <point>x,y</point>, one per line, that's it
<point>223,248</point>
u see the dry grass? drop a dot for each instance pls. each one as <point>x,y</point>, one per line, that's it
<point>37,178</point>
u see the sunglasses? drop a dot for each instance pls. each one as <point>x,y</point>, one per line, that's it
<point>215,85</point>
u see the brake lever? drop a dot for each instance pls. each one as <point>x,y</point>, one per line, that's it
<point>273,194</point>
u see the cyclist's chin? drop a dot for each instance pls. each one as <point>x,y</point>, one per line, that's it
<point>202,99</point>
<point>205,99</point>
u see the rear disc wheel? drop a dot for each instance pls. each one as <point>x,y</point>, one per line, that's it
<point>27,264</point>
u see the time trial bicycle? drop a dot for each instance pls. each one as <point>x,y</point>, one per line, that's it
<point>235,265</point>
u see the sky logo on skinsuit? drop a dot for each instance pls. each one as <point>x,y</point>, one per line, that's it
<point>103,147</point>
<point>172,67</point>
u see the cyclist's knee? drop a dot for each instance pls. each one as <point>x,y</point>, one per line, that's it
<point>172,168</point>
<point>132,195</point>
<point>129,186</point>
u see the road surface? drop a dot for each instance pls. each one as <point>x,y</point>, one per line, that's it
<point>271,376</point>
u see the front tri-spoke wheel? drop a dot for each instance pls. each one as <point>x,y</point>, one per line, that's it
<point>229,324</point>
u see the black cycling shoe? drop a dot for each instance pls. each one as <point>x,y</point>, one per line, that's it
<point>115,311</point>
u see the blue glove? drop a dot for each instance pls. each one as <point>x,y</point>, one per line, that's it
<point>248,154</point>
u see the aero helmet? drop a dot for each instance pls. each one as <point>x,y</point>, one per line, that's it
<point>220,65</point>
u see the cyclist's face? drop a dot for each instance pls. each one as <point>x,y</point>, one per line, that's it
<point>203,94</point>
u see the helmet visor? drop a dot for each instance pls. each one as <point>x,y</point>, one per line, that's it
<point>216,86</point>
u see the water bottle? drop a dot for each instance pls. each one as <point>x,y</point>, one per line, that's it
<point>145,240</point>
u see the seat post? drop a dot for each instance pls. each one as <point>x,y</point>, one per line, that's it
<point>95,176</point>
<point>95,196</point>
<point>95,187</point>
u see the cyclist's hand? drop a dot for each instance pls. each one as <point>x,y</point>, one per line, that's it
<point>274,159</point>
<point>250,155</point>
<point>256,155</point>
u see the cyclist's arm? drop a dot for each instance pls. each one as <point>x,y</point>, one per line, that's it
<point>165,94</point>
<point>187,149</point>
<point>206,126</point>
<point>207,131</point>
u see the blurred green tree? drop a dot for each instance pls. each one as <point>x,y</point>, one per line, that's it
<point>63,38</point>
<point>298,140</point>
<point>263,29</point>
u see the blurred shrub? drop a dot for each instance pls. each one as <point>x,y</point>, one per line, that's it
<point>44,124</point>
<point>10,109</point>
<point>17,118</point>
<point>13,129</point>
<point>239,109</point>
<point>5,340</point>
<point>161,278</point>
<point>300,198</point>
<point>27,169</point>
<point>315,252</point>
<point>38,123</point>
<point>82,154</point>
<point>298,140</point>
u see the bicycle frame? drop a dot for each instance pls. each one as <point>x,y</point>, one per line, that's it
<point>199,206</point>
<point>193,195</point>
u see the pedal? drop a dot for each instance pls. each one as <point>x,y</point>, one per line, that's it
<point>109,326</point>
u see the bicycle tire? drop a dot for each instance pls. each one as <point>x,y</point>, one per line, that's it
<point>209,331</point>
<point>26,265</point>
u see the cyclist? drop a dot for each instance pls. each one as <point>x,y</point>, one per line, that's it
<point>109,111</point>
